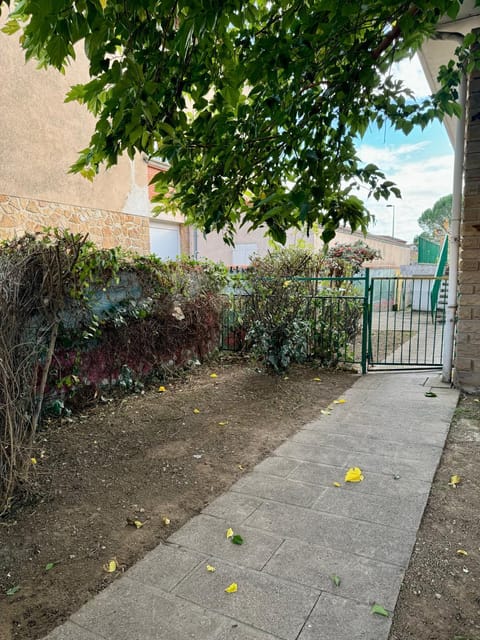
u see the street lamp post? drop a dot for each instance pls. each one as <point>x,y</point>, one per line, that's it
<point>392,207</point>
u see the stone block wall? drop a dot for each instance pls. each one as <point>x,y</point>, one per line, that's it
<point>467,352</point>
<point>105,228</point>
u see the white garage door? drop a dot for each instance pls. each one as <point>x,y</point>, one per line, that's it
<point>164,240</point>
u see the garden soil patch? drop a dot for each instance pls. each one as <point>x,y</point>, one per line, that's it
<point>440,596</point>
<point>157,458</point>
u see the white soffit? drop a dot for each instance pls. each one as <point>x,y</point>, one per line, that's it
<point>434,53</point>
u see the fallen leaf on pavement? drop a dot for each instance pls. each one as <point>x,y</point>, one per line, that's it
<point>210,568</point>
<point>232,588</point>
<point>229,532</point>
<point>336,580</point>
<point>354,474</point>
<point>379,610</point>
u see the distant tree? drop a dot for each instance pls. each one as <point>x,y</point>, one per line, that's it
<point>433,220</point>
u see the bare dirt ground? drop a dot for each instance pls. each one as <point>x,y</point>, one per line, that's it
<point>141,457</point>
<point>440,596</point>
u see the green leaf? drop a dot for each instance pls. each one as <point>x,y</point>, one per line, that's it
<point>12,26</point>
<point>13,590</point>
<point>49,566</point>
<point>430,394</point>
<point>336,580</point>
<point>378,610</point>
<point>237,539</point>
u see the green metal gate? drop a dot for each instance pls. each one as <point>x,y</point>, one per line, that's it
<point>377,323</point>
<point>405,329</point>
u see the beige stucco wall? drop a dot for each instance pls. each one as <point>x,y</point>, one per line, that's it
<point>214,248</point>
<point>467,352</point>
<point>395,253</point>
<point>40,136</point>
<point>106,228</point>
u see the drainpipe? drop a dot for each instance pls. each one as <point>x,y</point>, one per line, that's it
<point>454,239</point>
<point>195,243</point>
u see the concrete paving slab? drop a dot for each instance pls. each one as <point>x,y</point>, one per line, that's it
<point>336,618</point>
<point>309,453</point>
<point>128,610</point>
<point>362,579</point>
<point>238,631</point>
<point>395,431</point>
<point>232,506</point>
<point>206,534</point>
<point>265,602</point>
<point>274,466</point>
<point>371,540</point>
<point>279,489</point>
<point>393,466</point>
<point>165,566</point>
<point>373,483</point>
<point>369,444</point>
<point>70,631</point>
<point>402,513</point>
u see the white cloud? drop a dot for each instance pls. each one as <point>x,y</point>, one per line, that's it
<point>421,182</point>
<point>389,158</point>
<point>411,72</point>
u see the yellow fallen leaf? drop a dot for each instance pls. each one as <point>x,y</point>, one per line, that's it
<point>454,480</point>
<point>166,521</point>
<point>325,412</point>
<point>229,533</point>
<point>462,552</point>
<point>232,588</point>
<point>134,522</point>
<point>33,460</point>
<point>240,467</point>
<point>337,484</point>
<point>317,379</point>
<point>354,474</point>
<point>210,568</point>
<point>339,401</point>
<point>287,283</point>
<point>196,411</point>
<point>111,566</point>
<point>213,375</point>
<point>161,389</point>
<point>223,423</point>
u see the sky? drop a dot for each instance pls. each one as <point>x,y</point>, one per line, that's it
<point>420,164</point>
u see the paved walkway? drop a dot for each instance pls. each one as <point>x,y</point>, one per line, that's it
<point>298,531</point>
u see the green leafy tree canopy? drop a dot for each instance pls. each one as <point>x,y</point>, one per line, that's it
<point>255,104</point>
